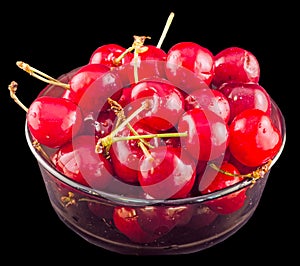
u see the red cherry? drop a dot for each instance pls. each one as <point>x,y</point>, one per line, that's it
<point>209,99</point>
<point>115,57</point>
<point>243,96</point>
<point>167,167</point>
<point>216,180</point>
<point>53,121</point>
<point>254,139</point>
<point>160,220</point>
<point>109,55</point>
<point>125,155</point>
<point>99,127</point>
<point>78,160</point>
<point>235,64</point>
<point>189,65</point>
<point>150,64</point>
<point>90,87</point>
<point>208,134</point>
<point>126,221</point>
<point>166,104</point>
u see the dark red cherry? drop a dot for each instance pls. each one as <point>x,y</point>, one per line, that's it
<point>125,220</point>
<point>160,220</point>
<point>243,96</point>
<point>189,65</point>
<point>208,134</point>
<point>254,138</point>
<point>235,64</point>
<point>101,126</point>
<point>125,155</point>
<point>166,104</point>
<point>53,121</point>
<point>209,99</point>
<point>216,180</point>
<point>202,216</point>
<point>78,160</point>
<point>167,167</point>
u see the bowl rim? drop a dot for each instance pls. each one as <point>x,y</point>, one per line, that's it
<point>127,200</point>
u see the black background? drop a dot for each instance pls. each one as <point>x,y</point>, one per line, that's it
<point>55,40</point>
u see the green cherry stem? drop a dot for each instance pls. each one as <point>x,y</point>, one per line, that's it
<point>149,136</point>
<point>106,142</point>
<point>256,174</point>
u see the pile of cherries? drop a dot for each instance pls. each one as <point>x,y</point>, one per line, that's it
<point>175,124</point>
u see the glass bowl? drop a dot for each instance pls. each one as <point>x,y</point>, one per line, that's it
<point>169,226</point>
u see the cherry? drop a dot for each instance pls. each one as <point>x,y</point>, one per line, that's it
<point>160,220</point>
<point>209,99</point>
<point>99,127</point>
<point>243,96</point>
<point>166,104</point>
<point>126,221</point>
<point>167,167</point>
<point>208,134</point>
<point>110,55</point>
<point>125,155</point>
<point>215,180</point>
<point>53,121</point>
<point>78,160</point>
<point>101,210</point>
<point>202,216</point>
<point>189,65</point>
<point>90,85</point>
<point>235,64</point>
<point>150,63</point>
<point>254,138</point>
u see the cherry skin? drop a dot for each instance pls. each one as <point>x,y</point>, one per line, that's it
<point>78,160</point>
<point>125,220</point>
<point>90,94</point>
<point>160,220</point>
<point>167,167</point>
<point>53,121</point>
<point>235,64</point>
<point>243,96</point>
<point>218,180</point>
<point>108,55</point>
<point>209,99</point>
<point>189,65</point>
<point>99,127</point>
<point>115,57</point>
<point>208,134</point>
<point>254,139</point>
<point>150,64</point>
<point>166,104</point>
<point>203,216</point>
<point>125,155</point>
<point>100,210</point>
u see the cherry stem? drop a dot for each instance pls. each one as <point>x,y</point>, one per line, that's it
<point>166,28</point>
<point>12,87</point>
<point>148,136</point>
<point>118,110</point>
<point>107,140</point>
<point>256,174</point>
<point>41,75</point>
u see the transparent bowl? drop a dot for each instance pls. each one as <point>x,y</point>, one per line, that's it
<point>173,226</point>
